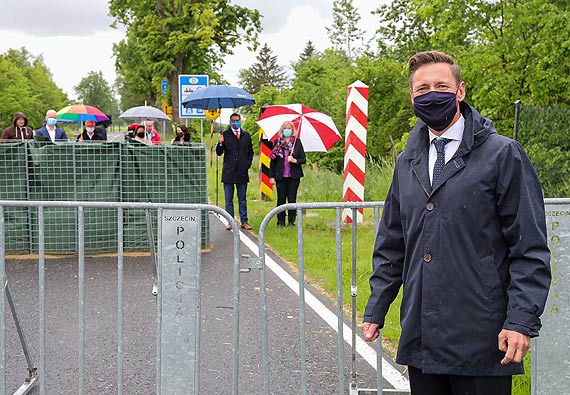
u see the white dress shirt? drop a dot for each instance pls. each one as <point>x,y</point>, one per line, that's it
<point>51,133</point>
<point>455,134</point>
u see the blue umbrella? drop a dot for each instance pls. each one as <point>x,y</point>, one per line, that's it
<point>218,96</point>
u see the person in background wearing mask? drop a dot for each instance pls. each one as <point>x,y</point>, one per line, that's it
<point>92,132</point>
<point>285,169</point>
<point>50,130</point>
<point>235,144</point>
<point>19,130</point>
<point>151,133</point>
<point>463,230</point>
<point>140,135</point>
<point>183,136</point>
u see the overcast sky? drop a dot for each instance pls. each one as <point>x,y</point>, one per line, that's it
<point>74,37</point>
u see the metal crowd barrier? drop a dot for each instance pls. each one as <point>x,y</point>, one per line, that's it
<point>167,374</point>
<point>558,221</point>
<point>260,263</point>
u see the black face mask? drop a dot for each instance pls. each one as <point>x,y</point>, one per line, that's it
<point>436,109</point>
<point>141,135</point>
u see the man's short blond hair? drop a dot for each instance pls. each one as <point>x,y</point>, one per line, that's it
<point>431,57</point>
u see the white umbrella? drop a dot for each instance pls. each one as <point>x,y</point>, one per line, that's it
<point>143,113</point>
<point>316,130</point>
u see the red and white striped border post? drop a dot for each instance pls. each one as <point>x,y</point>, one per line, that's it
<point>355,147</point>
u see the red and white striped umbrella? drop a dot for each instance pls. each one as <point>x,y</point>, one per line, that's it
<point>316,130</point>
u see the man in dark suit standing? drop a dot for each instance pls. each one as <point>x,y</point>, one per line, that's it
<point>235,144</point>
<point>49,130</point>
<point>92,132</point>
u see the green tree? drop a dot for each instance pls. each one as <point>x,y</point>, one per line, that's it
<point>34,94</point>
<point>95,91</point>
<point>308,52</point>
<point>134,81</point>
<point>508,50</point>
<point>265,72</point>
<point>14,91</point>
<point>267,95</point>
<point>389,106</point>
<point>321,84</point>
<point>166,39</point>
<point>344,31</point>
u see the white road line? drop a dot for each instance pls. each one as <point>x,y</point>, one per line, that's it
<point>389,372</point>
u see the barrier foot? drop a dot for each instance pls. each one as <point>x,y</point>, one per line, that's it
<point>368,391</point>
<point>29,384</point>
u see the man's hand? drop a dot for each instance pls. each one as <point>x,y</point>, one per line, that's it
<point>370,331</point>
<point>272,181</point>
<point>514,344</point>
<point>220,138</point>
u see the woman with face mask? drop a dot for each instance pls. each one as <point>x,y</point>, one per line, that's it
<point>139,135</point>
<point>183,136</point>
<point>285,170</point>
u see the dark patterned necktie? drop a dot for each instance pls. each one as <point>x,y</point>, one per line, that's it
<point>440,160</point>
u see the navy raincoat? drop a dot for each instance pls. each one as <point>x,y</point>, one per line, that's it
<point>238,156</point>
<point>471,253</point>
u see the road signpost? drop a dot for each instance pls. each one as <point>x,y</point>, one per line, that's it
<point>188,83</point>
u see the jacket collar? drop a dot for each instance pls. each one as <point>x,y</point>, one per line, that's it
<point>477,129</point>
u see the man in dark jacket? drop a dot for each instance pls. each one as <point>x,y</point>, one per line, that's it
<point>19,129</point>
<point>463,230</point>
<point>93,133</point>
<point>235,144</point>
<point>50,130</point>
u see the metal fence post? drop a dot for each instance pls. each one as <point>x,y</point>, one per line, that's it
<point>518,107</point>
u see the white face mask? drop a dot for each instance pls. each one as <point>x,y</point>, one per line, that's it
<point>89,130</point>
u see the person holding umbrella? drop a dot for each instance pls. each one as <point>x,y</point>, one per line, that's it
<point>151,132</point>
<point>285,169</point>
<point>92,133</point>
<point>235,144</point>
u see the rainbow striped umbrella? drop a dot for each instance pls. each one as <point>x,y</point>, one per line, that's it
<point>81,113</point>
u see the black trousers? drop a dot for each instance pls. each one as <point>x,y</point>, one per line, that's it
<point>445,384</point>
<point>287,191</point>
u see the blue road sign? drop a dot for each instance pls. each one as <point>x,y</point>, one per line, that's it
<point>164,86</point>
<point>186,85</point>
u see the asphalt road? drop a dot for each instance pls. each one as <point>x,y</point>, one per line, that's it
<point>139,360</point>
